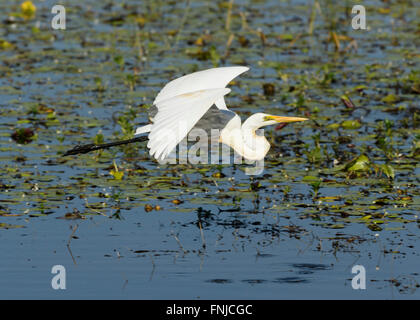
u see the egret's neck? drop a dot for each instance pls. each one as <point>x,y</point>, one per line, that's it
<point>249,128</point>
<point>244,139</point>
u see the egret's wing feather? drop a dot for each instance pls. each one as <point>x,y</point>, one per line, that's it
<point>220,103</point>
<point>144,129</point>
<point>177,116</point>
<point>201,80</point>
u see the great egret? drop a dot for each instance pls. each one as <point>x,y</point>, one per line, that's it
<point>183,102</point>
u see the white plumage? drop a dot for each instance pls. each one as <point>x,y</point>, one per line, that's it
<point>183,101</point>
<point>177,116</point>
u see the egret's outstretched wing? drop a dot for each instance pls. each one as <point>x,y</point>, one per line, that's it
<point>201,80</point>
<point>177,116</point>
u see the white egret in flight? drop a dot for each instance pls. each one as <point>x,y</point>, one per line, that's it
<point>184,101</point>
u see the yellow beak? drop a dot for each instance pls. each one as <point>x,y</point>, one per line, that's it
<point>284,119</point>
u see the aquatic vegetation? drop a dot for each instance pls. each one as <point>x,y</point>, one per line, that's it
<point>344,186</point>
<point>28,9</point>
<point>5,44</point>
<point>23,136</point>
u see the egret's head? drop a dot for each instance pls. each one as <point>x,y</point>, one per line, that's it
<point>259,120</point>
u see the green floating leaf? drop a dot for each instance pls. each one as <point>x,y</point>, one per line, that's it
<point>119,60</point>
<point>391,98</point>
<point>360,88</point>
<point>351,124</point>
<point>333,126</point>
<point>360,164</point>
<point>5,45</point>
<point>374,227</point>
<point>388,170</point>
<point>10,226</point>
<point>310,178</point>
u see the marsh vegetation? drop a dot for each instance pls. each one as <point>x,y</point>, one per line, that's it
<point>340,190</point>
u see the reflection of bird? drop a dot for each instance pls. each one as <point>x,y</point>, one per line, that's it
<point>184,101</point>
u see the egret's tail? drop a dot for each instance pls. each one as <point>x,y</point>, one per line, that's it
<point>144,129</point>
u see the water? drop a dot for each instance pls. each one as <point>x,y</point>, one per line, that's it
<point>217,232</point>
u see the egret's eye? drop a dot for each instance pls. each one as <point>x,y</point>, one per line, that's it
<point>268,118</point>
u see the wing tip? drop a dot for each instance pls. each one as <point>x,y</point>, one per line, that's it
<point>227,90</point>
<point>244,68</point>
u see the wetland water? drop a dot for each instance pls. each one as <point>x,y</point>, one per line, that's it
<point>339,190</point>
